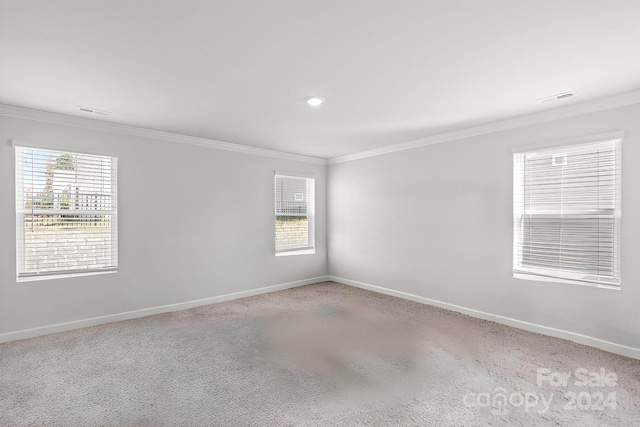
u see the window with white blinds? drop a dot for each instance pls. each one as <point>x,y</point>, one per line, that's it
<point>66,213</point>
<point>567,211</point>
<point>295,213</point>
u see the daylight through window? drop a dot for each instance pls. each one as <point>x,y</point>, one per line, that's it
<point>567,213</point>
<point>294,213</point>
<point>66,213</point>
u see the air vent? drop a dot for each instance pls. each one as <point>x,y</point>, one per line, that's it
<point>93,111</point>
<point>557,97</point>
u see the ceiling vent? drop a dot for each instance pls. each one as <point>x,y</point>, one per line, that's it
<point>93,111</point>
<point>557,97</point>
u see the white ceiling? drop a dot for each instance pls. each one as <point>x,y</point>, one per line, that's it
<point>390,71</point>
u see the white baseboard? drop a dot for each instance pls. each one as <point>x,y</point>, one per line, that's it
<point>77,324</point>
<point>527,326</point>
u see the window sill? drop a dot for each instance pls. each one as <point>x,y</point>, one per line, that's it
<point>62,276</point>
<point>297,252</point>
<point>567,281</point>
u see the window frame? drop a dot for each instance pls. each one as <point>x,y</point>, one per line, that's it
<point>21,212</point>
<point>310,249</point>
<point>567,276</point>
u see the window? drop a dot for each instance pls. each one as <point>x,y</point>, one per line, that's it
<point>66,216</point>
<point>566,224</point>
<point>295,213</point>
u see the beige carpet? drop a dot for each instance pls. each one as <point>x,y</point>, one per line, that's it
<point>318,355</point>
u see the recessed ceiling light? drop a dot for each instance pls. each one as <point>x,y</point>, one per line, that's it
<point>314,101</point>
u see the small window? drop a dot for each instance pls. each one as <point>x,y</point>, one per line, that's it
<point>566,224</point>
<point>295,214</point>
<point>66,213</point>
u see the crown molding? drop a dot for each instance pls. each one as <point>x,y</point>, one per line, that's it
<point>103,126</point>
<point>586,107</point>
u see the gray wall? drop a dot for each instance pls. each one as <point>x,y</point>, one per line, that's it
<point>436,222</point>
<point>189,249</point>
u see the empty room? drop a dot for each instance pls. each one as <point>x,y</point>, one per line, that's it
<point>319,213</point>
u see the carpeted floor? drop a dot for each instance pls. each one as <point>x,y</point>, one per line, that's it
<point>318,355</point>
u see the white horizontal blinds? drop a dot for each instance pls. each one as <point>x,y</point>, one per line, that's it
<point>567,212</point>
<point>295,212</point>
<point>66,212</point>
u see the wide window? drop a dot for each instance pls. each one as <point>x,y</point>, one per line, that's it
<point>566,224</point>
<point>66,213</point>
<point>294,213</point>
